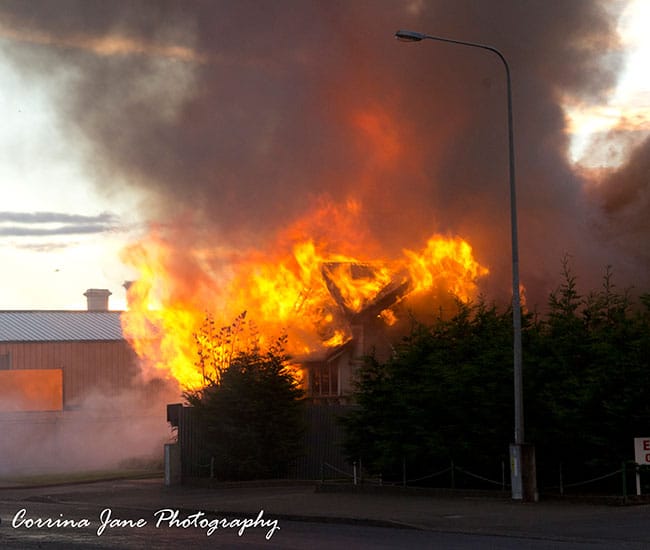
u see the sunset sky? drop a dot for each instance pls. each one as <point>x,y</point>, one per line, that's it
<point>74,194</point>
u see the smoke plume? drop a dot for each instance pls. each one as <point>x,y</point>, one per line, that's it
<point>103,433</point>
<point>240,117</point>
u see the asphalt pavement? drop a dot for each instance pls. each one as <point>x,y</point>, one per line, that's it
<point>612,526</point>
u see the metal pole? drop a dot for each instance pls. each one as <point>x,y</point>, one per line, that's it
<point>516,298</point>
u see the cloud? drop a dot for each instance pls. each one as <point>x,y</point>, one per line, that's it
<point>44,247</point>
<point>40,224</point>
<point>103,46</point>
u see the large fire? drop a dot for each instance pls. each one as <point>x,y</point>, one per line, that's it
<point>302,288</point>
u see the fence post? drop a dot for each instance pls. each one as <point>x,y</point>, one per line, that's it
<point>404,471</point>
<point>453,475</point>
<point>503,475</point>
<point>624,476</point>
<point>354,472</point>
<point>561,481</point>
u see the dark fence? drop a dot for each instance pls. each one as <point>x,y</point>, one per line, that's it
<point>322,442</point>
<point>323,458</point>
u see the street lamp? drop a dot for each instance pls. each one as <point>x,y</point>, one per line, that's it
<point>522,457</point>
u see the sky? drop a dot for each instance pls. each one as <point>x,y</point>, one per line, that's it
<point>219,122</point>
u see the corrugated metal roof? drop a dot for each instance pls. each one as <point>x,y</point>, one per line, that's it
<point>59,326</point>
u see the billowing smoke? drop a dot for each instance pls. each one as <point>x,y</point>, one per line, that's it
<point>103,433</point>
<point>240,116</point>
<point>624,197</point>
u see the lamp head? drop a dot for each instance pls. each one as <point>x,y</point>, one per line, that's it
<point>409,36</point>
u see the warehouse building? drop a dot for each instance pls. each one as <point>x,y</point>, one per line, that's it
<point>70,394</point>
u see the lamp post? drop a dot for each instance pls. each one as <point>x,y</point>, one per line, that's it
<point>522,456</point>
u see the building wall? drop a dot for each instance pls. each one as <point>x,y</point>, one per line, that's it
<point>31,390</point>
<point>105,366</point>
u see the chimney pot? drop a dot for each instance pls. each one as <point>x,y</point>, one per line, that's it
<point>97,299</point>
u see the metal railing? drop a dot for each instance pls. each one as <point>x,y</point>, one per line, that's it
<point>358,476</point>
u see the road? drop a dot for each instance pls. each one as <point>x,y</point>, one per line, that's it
<point>130,515</point>
<point>290,535</point>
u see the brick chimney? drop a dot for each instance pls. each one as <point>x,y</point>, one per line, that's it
<point>97,299</point>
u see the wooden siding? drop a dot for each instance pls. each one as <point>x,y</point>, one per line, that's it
<point>105,366</point>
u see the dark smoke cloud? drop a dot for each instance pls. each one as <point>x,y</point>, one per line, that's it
<point>624,196</point>
<point>245,113</point>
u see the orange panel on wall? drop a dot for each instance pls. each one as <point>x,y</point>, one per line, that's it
<point>31,390</point>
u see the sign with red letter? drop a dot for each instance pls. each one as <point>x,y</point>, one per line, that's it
<point>642,450</point>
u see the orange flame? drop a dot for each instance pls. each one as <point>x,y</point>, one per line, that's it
<point>447,262</point>
<point>303,289</point>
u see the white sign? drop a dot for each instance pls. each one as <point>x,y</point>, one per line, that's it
<point>642,450</point>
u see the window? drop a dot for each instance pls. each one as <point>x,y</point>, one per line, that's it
<point>324,379</point>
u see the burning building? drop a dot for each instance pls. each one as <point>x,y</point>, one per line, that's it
<point>332,307</point>
<point>328,180</point>
<point>319,141</point>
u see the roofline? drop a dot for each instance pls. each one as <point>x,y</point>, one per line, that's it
<point>2,342</point>
<point>61,311</point>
